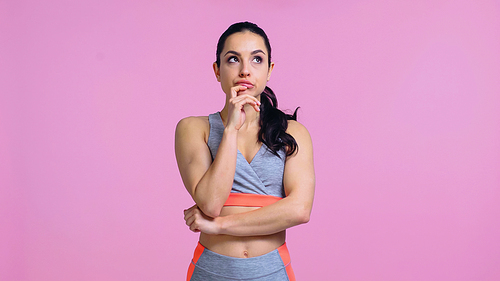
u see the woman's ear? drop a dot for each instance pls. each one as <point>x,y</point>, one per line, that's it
<point>271,67</point>
<point>216,71</point>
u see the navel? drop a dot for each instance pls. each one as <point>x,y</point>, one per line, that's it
<point>245,254</point>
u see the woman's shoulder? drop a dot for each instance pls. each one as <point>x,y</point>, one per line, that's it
<point>193,121</point>
<point>193,125</point>
<point>296,129</point>
<point>301,135</point>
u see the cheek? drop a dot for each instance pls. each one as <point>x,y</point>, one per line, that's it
<point>227,72</point>
<point>224,74</point>
<point>225,83</point>
<point>263,74</point>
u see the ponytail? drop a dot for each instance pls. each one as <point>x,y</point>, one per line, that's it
<point>273,125</point>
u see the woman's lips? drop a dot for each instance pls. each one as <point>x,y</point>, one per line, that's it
<point>246,84</point>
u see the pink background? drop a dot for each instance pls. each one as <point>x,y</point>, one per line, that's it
<point>402,99</point>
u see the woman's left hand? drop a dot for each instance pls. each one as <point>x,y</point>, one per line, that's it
<point>199,222</point>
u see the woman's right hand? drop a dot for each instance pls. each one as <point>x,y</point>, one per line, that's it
<point>236,110</point>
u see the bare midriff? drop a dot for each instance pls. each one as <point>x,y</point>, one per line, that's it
<point>242,246</point>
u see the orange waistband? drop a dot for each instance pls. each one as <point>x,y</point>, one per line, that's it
<point>250,200</point>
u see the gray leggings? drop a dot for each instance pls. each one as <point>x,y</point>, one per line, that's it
<point>273,266</point>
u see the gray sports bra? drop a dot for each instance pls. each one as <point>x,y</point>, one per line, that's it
<point>263,175</point>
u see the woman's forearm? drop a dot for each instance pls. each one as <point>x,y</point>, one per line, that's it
<point>267,220</point>
<point>213,189</point>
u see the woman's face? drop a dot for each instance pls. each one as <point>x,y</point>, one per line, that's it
<point>244,61</point>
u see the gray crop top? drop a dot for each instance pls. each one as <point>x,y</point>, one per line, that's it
<point>263,175</point>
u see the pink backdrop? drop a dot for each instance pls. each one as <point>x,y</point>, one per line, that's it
<point>402,100</point>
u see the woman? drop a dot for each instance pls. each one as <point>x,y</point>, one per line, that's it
<point>249,168</point>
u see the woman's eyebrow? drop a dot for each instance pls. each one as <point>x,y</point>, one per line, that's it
<point>258,51</point>
<point>232,52</point>
<point>238,54</point>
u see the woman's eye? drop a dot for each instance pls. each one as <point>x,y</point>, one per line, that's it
<point>257,59</point>
<point>232,59</point>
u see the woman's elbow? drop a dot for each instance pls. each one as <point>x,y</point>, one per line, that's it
<point>210,210</point>
<point>303,215</point>
<point>208,205</point>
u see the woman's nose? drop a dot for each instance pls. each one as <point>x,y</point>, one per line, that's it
<point>244,70</point>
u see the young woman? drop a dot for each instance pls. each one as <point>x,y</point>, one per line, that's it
<point>249,168</point>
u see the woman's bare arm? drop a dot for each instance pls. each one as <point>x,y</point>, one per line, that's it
<point>210,183</point>
<point>294,209</point>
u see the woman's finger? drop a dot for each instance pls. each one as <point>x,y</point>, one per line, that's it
<point>236,113</point>
<point>256,107</point>
<point>236,89</point>
<point>244,97</point>
<point>194,227</point>
<point>191,208</point>
<point>190,220</point>
<point>189,212</point>
<point>240,101</point>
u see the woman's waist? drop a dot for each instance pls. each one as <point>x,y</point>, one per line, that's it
<point>243,246</point>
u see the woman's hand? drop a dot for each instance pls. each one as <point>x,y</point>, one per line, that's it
<point>236,111</point>
<point>199,222</point>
